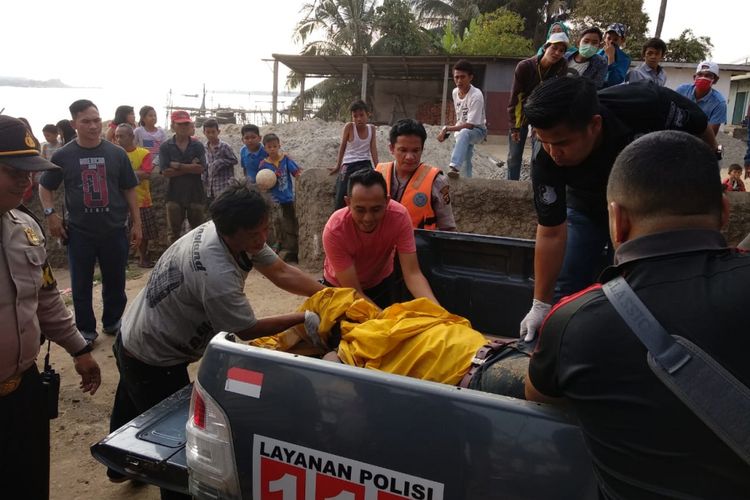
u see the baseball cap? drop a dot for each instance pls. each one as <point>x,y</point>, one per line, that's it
<point>618,28</point>
<point>557,38</point>
<point>180,116</point>
<point>18,147</point>
<point>708,66</point>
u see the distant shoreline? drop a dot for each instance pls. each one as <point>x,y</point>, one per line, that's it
<point>11,81</point>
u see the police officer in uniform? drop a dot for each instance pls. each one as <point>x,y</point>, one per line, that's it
<point>30,306</point>
<point>421,188</point>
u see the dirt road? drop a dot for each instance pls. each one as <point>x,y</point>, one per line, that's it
<point>83,420</point>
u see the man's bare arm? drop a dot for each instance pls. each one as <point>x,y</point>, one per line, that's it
<point>415,280</point>
<point>271,326</point>
<point>348,279</point>
<point>54,221</point>
<point>290,278</point>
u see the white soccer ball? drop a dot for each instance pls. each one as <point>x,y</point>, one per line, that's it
<point>265,179</point>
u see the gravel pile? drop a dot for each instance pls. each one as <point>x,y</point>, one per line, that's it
<point>314,144</point>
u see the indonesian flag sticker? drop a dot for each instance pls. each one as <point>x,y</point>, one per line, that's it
<point>245,382</point>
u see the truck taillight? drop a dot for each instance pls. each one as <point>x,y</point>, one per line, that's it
<point>198,410</point>
<point>209,450</point>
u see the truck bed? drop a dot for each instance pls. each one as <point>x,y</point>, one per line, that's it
<point>464,443</point>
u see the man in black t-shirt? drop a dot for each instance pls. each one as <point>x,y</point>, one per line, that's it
<point>99,194</point>
<point>665,211</point>
<point>581,135</point>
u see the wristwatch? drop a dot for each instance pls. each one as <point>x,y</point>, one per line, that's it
<point>49,211</point>
<point>89,347</point>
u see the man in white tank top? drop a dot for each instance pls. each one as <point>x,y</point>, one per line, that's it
<point>358,150</point>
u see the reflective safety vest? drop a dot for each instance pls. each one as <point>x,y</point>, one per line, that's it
<point>417,196</point>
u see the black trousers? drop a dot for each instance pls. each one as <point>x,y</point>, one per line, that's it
<point>24,440</point>
<point>142,386</point>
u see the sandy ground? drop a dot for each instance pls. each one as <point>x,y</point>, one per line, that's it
<point>84,419</point>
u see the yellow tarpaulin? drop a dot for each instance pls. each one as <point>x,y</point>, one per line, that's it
<point>418,338</point>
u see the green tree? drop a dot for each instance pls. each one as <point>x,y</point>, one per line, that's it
<point>355,27</point>
<point>399,33</point>
<point>537,14</point>
<point>436,13</point>
<point>602,13</point>
<point>346,26</point>
<point>342,27</point>
<point>497,33</point>
<point>688,48</point>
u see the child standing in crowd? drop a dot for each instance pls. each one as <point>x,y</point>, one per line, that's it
<point>220,160</point>
<point>252,153</point>
<point>284,216</point>
<point>52,143</point>
<point>66,131</point>
<point>123,114</point>
<point>653,52</point>
<point>734,182</point>
<point>358,149</point>
<point>148,135</point>
<point>141,161</point>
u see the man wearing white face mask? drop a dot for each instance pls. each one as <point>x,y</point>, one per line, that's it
<point>707,98</point>
<point>585,60</point>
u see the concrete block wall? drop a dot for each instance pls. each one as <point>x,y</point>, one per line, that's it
<point>484,206</point>
<point>494,207</point>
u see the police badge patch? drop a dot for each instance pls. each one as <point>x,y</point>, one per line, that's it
<point>420,199</point>
<point>33,238</point>
<point>445,192</point>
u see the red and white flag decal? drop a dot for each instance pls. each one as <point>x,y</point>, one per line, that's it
<point>245,382</point>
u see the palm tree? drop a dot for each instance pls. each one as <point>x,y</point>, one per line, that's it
<point>435,13</point>
<point>345,27</point>
<point>346,24</point>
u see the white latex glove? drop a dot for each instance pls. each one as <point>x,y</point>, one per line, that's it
<point>312,323</point>
<point>533,320</point>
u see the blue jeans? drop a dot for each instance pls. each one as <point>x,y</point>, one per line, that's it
<point>515,154</point>
<point>111,250</point>
<point>587,252</point>
<point>464,148</point>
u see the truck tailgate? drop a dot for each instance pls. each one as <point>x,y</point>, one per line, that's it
<point>347,427</point>
<point>151,447</point>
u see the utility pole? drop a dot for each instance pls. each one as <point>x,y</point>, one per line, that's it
<point>660,21</point>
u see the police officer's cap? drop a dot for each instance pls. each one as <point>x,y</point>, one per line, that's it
<point>18,147</point>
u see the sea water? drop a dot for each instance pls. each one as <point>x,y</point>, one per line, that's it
<point>49,105</point>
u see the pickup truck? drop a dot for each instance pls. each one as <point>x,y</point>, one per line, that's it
<point>270,425</point>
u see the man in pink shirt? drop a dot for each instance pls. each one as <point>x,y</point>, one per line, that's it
<point>360,241</point>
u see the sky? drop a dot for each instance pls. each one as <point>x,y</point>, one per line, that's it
<point>221,43</point>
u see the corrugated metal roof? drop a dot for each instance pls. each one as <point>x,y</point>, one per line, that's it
<point>416,67</point>
<point>381,67</point>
